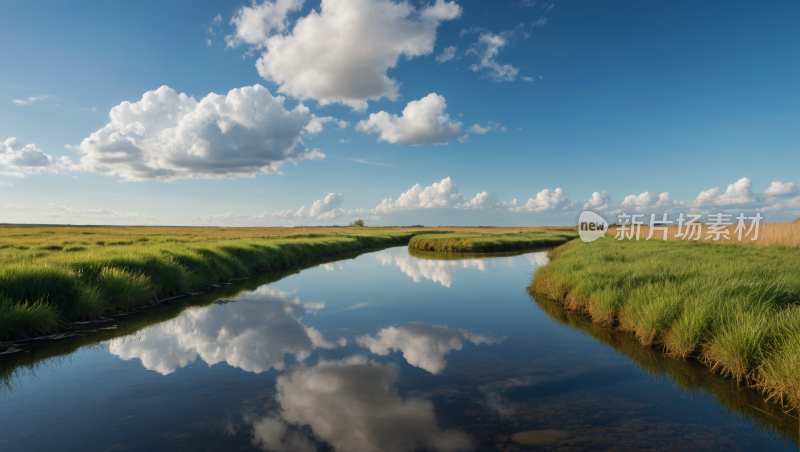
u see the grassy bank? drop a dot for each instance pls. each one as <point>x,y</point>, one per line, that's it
<point>689,376</point>
<point>476,242</point>
<point>734,308</point>
<point>51,276</point>
<point>16,369</point>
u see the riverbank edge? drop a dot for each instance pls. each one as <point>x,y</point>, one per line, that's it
<point>288,257</point>
<point>454,245</point>
<point>688,376</point>
<point>544,285</point>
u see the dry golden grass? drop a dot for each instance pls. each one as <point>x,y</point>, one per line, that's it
<point>769,234</point>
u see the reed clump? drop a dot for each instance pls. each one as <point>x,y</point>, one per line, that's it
<point>734,308</point>
<point>473,242</point>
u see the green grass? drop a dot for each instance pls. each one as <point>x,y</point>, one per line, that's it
<point>467,242</point>
<point>46,286</point>
<point>51,276</point>
<point>734,308</point>
<point>17,369</point>
<point>690,377</point>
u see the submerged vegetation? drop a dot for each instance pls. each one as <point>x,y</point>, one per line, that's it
<point>734,308</point>
<point>476,242</point>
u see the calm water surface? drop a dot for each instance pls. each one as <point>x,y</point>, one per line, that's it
<point>384,352</point>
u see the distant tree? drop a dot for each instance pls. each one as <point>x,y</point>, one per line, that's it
<point>357,223</point>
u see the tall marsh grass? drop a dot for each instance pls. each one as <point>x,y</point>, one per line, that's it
<point>476,242</point>
<point>769,234</point>
<point>734,308</point>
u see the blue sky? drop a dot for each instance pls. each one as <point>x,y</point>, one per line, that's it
<point>630,100</point>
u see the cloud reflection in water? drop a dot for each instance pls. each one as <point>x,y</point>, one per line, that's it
<point>253,334</point>
<point>423,345</point>
<point>444,271</point>
<point>352,405</point>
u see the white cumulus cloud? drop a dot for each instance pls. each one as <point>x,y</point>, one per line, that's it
<point>439,194</point>
<point>778,189</point>
<point>597,201</point>
<point>646,201</point>
<point>168,136</point>
<point>423,121</point>
<point>341,53</point>
<point>546,200</point>
<point>738,193</point>
<point>18,160</point>
<point>485,201</point>
<point>254,24</point>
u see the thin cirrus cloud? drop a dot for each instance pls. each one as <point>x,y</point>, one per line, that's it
<point>490,127</point>
<point>327,209</point>
<point>342,53</point>
<point>367,162</point>
<point>422,122</point>
<point>168,136</point>
<point>448,54</point>
<point>30,100</point>
<point>94,216</point>
<point>488,47</point>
